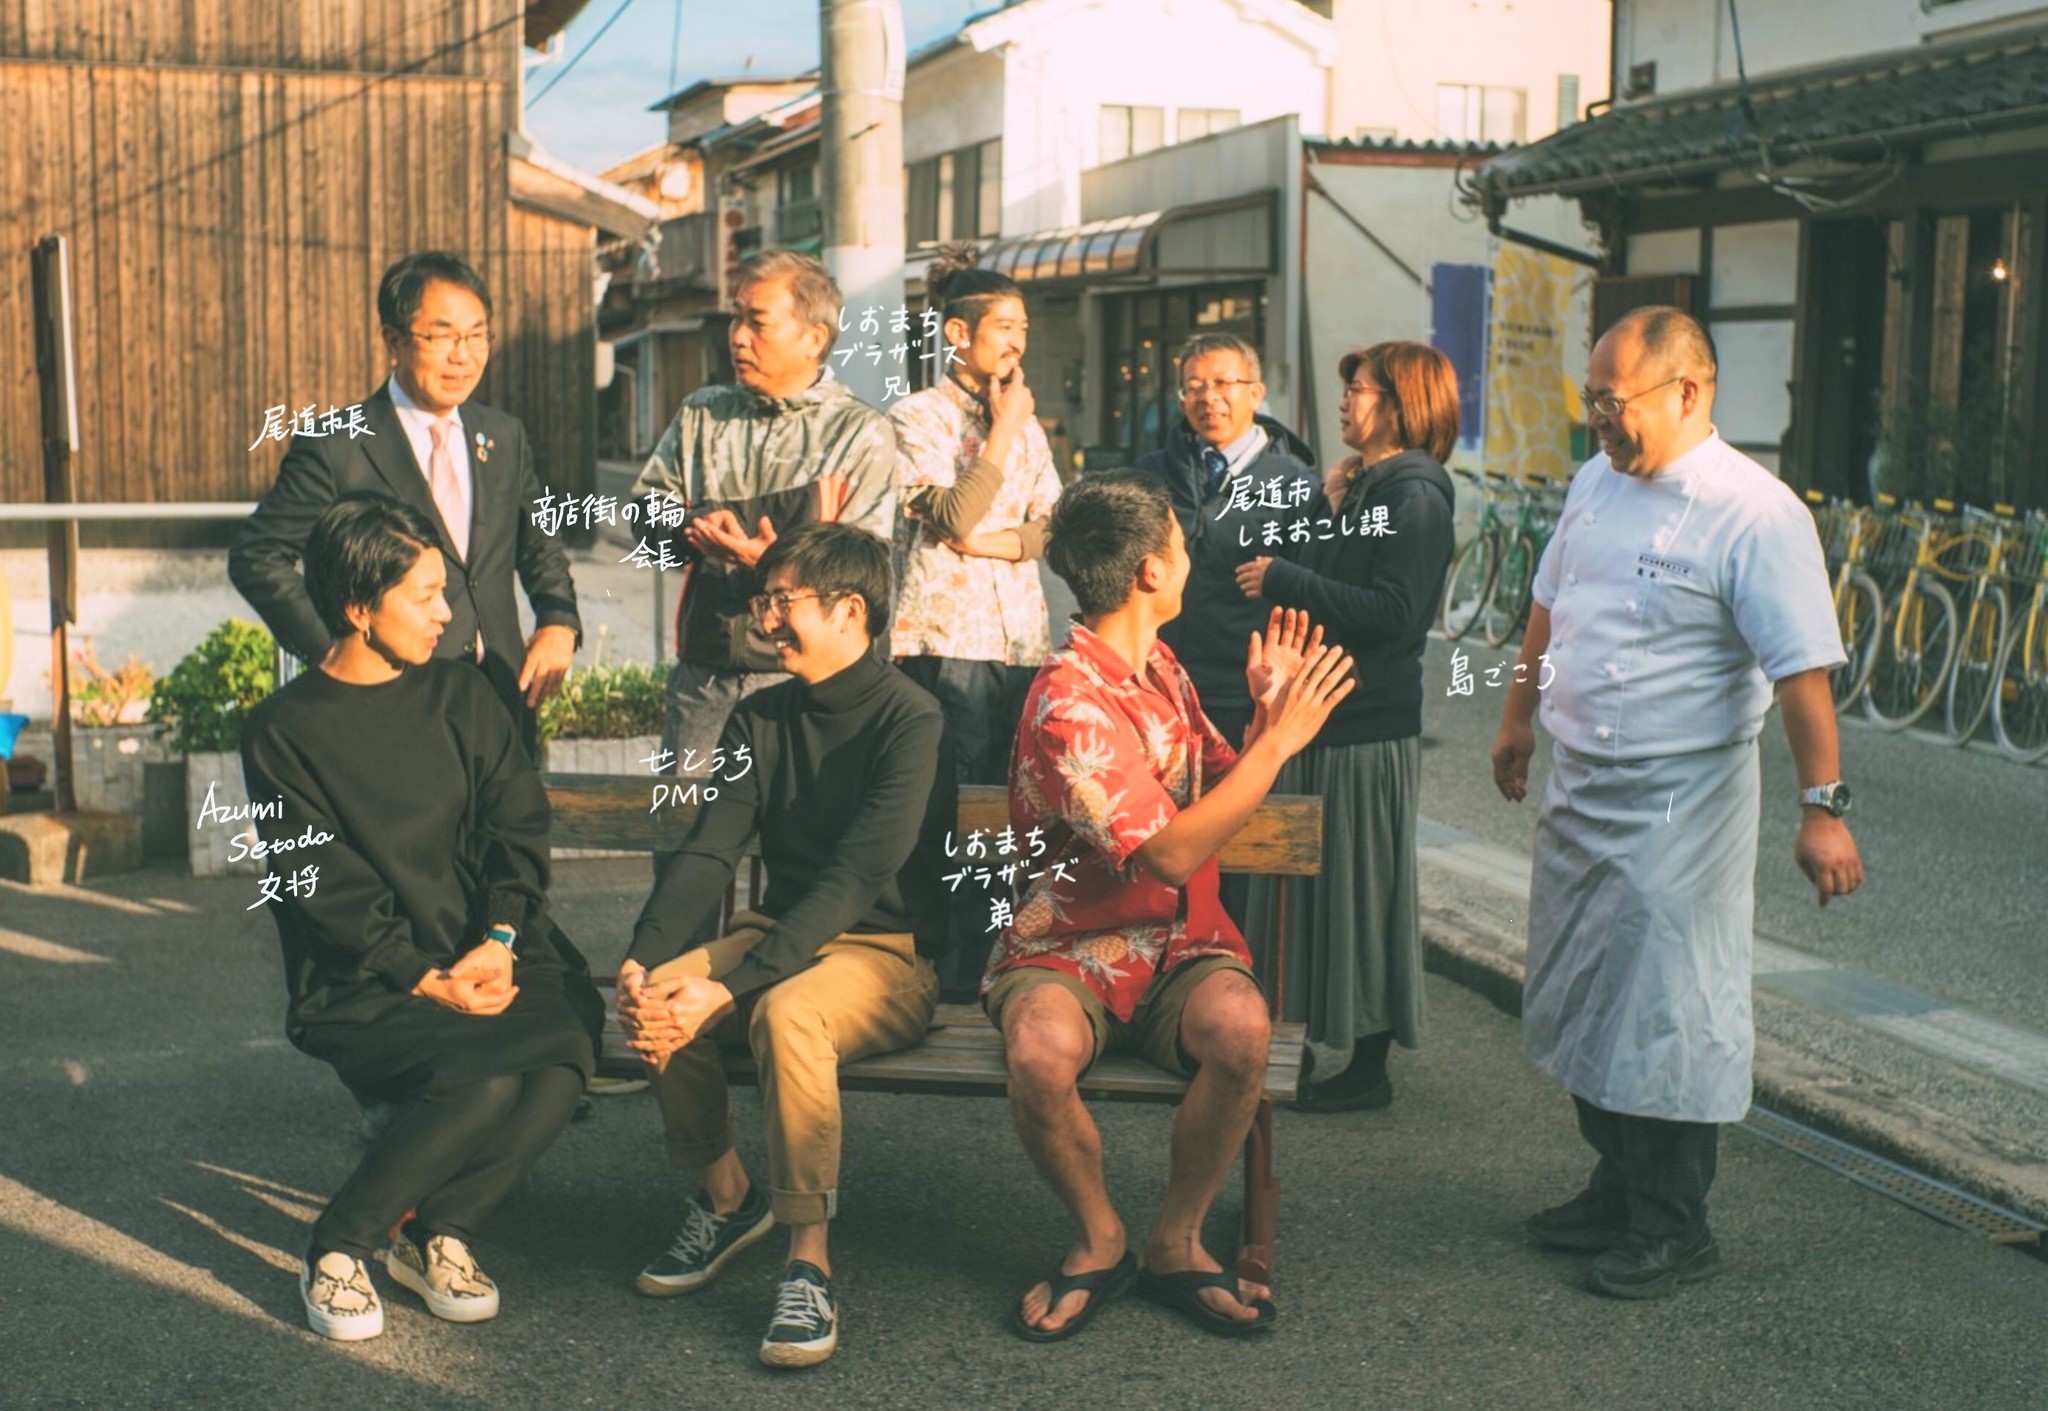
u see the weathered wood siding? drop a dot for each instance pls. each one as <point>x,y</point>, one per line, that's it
<point>230,203</point>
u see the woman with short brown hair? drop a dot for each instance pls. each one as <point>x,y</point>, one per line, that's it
<point>1370,570</point>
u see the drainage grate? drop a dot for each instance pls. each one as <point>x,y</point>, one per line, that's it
<point>1930,1197</point>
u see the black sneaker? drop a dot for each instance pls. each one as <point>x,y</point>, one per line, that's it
<point>1588,1221</point>
<point>1644,1268</point>
<point>705,1243</point>
<point>805,1328</point>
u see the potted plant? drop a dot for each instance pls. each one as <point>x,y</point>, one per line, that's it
<point>111,743</point>
<point>199,707</point>
<point>607,720</point>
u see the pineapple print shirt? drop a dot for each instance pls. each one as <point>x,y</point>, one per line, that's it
<point>1105,758</point>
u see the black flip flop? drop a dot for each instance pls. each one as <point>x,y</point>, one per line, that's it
<point>1181,1293</point>
<point>1101,1285</point>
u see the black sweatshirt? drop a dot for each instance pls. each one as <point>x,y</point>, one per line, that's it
<point>1375,595</point>
<point>852,806</point>
<point>417,804</point>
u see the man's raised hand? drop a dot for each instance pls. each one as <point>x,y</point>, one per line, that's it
<point>1273,660</point>
<point>1307,699</point>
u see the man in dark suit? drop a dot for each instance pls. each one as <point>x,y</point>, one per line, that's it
<point>469,467</point>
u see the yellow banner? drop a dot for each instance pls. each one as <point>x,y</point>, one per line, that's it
<point>1531,406</point>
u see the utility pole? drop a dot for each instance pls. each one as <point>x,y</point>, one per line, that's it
<point>861,167</point>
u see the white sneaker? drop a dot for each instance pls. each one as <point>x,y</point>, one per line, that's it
<point>445,1276</point>
<point>341,1303</point>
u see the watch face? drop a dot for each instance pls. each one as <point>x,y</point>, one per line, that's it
<point>1838,800</point>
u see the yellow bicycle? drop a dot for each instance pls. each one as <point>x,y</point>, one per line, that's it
<point>1846,534</point>
<point>2019,704</point>
<point>1916,643</point>
<point>1974,680</point>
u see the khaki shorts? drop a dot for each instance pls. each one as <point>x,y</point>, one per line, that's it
<point>1153,1030</point>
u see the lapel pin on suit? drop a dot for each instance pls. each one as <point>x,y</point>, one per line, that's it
<point>483,446</point>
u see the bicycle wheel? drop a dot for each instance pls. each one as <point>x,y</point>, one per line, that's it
<point>1858,614</point>
<point>1915,649</point>
<point>2019,707</point>
<point>1470,586</point>
<point>1975,678</point>
<point>1508,604</point>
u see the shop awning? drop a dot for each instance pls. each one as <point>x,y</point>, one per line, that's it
<point>1234,237</point>
<point>1867,110</point>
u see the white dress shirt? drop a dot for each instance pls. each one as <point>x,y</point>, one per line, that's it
<point>1676,600</point>
<point>417,424</point>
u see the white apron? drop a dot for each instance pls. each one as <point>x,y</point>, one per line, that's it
<point>1641,906</point>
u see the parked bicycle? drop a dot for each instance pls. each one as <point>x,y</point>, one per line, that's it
<point>2019,705</point>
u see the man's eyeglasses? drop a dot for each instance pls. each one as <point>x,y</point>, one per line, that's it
<point>442,343</point>
<point>1222,387</point>
<point>1612,406</point>
<point>761,604</point>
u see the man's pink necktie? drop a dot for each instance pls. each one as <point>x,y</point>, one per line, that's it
<point>447,490</point>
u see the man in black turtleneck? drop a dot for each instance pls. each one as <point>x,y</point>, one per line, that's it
<point>848,793</point>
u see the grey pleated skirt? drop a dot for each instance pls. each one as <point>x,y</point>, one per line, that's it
<point>1354,934</point>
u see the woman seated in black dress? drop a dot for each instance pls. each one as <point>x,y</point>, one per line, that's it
<point>419,958</point>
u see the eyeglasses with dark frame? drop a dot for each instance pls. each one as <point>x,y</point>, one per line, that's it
<point>442,342</point>
<point>762,603</point>
<point>1609,405</point>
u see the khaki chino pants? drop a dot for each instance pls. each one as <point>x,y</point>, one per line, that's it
<point>866,994</point>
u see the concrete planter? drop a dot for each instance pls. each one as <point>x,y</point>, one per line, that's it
<point>618,756</point>
<point>215,781</point>
<point>109,763</point>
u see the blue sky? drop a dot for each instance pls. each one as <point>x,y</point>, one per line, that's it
<point>598,114</point>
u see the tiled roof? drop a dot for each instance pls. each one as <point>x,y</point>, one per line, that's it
<point>1866,108</point>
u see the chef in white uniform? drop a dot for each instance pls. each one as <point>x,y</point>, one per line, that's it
<point>1684,583</point>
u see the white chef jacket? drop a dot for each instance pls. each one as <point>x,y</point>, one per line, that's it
<point>1675,601</point>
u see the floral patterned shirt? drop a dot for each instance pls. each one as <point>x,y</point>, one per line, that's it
<point>1105,758</point>
<point>949,604</point>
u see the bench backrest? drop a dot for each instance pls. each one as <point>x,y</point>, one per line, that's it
<point>1283,838</point>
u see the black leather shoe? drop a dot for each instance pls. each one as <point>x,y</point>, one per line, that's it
<point>1361,1087</point>
<point>1587,1221</point>
<point>1339,1096</point>
<point>1655,1268</point>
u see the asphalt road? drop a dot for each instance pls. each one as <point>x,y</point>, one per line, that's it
<point>1954,843</point>
<point>162,1153</point>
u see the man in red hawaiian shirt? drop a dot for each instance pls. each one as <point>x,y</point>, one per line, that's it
<point>1124,942</point>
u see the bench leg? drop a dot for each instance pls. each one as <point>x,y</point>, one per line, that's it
<point>1261,1200</point>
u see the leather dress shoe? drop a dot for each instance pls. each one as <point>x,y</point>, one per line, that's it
<point>1588,1221</point>
<point>1644,1268</point>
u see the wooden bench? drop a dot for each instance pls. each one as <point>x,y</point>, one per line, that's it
<point>962,1055</point>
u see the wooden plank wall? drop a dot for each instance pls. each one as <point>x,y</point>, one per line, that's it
<point>228,226</point>
<point>438,37</point>
<point>545,361</point>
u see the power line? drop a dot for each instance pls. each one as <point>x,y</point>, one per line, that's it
<point>675,47</point>
<point>588,45</point>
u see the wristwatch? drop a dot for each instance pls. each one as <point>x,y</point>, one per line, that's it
<point>1832,796</point>
<point>504,935</point>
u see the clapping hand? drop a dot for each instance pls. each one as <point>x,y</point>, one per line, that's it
<point>1305,702</point>
<point>1275,659</point>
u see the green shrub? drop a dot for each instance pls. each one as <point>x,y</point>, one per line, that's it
<point>201,703</point>
<point>605,703</point>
